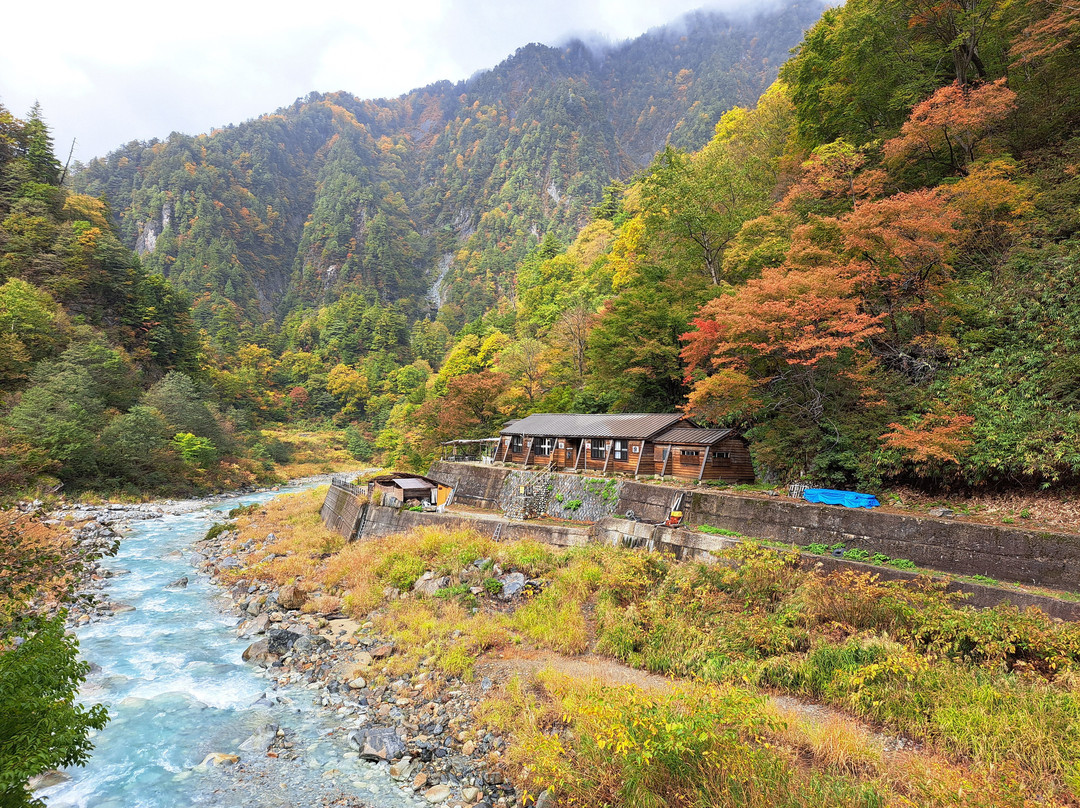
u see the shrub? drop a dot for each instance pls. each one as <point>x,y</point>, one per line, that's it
<point>218,528</point>
<point>400,569</point>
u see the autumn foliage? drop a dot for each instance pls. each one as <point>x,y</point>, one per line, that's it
<point>951,126</point>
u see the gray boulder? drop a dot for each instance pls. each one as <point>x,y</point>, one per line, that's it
<point>179,583</point>
<point>428,584</point>
<point>512,583</point>
<point>377,743</point>
<point>257,626</point>
<point>260,740</point>
<point>280,640</point>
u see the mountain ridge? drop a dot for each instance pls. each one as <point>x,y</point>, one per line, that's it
<point>334,192</point>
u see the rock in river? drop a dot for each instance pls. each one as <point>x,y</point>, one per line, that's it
<point>259,653</point>
<point>260,740</point>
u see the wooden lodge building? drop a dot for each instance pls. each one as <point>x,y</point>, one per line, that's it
<point>663,444</point>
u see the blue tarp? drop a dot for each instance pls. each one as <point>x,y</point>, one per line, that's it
<point>849,499</point>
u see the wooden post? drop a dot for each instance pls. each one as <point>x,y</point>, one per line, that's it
<point>704,460</point>
<point>641,454</point>
<point>667,456</point>
<point>607,455</point>
<point>528,451</point>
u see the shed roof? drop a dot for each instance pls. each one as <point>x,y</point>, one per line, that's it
<point>694,437</point>
<point>414,484</point>
<point>405,480</point>
<point>570,425</point>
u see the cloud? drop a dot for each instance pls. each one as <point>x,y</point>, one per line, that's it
<point>136,70</point>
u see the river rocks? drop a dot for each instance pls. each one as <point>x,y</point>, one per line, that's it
<point>179,583</point>
<point>53,777</point>
<point>403,769</point>
<point>219,759</point>
<point>377,743</point>
<point>280,641</point>
<point>259,654</point>
<point>250,628</point>
<point>428,584</point>
<point>382,651</point>
<point>546,799</point>
<point>291,597</point>
<point>437,793</point>
<point>260,740</point>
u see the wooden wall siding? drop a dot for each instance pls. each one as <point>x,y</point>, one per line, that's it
<point>737,467</point>
<point>577,454</point>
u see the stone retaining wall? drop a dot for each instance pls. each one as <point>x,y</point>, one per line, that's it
<point>949,545</point>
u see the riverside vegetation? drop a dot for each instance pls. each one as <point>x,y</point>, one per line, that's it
<point>930,702</point>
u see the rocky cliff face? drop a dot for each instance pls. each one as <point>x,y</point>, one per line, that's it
<point>335,193</point>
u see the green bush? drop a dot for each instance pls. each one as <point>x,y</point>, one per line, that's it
<point>219,528</point>
<point>400,570</point>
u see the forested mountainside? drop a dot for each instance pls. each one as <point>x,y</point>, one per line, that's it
<point>869,269</point>
<point>385,197</point>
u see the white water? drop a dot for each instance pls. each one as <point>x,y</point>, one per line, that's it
<point>176,689</point>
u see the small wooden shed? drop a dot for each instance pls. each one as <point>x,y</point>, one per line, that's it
<point>400,488</point>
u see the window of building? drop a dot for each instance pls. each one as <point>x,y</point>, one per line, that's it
<point>515,444</point>
<point>620,450</point>
<point>721,455</point>
<point>690,453</point>
<point>597,451</point>
<point>545,446</point>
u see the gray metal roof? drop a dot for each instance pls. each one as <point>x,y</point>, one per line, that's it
<point>570,425</point>
<point>414,484</point>
<point>694,437</point>
<point>399,477</point>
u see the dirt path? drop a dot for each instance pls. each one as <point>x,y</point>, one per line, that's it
<point>606,671</point>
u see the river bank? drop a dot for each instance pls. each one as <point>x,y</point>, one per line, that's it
<point>190,721</point>
<point>419,722</point>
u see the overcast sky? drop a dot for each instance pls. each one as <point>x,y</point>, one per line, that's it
<point>111,72</point>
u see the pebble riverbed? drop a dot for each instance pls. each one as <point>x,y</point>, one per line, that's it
<point>195,724</point>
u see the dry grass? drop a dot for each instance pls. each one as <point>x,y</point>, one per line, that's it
<point>313,452</point>
<point>840,639</point>
<point>833,742</point>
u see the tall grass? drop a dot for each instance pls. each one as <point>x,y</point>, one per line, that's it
<point>994,689</point>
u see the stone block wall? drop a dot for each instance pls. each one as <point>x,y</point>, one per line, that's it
<point>343,510</point>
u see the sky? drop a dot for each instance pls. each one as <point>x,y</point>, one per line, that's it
<point>111,72</point>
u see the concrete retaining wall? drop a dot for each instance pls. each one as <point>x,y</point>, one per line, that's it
<point>961,548</point>
<point>475,485</point>
<point>953,546</point>
<point>682,543</point>
<point>384,521</point>
<point>343,510</point>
